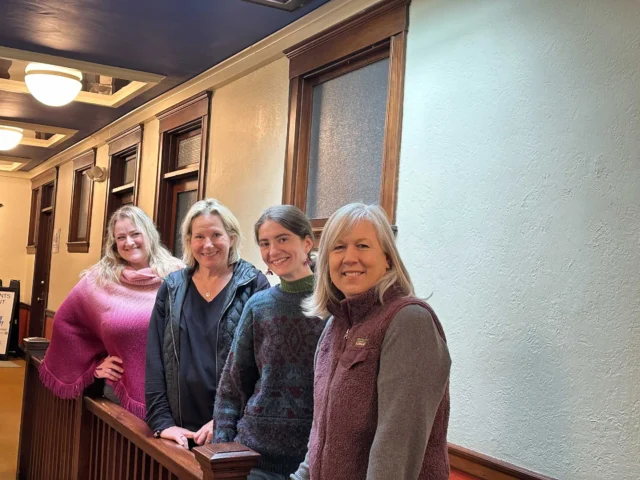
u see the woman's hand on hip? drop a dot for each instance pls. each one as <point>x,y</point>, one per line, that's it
<point>110,368</point>
<point>178,434</point>
<point>205,434</point>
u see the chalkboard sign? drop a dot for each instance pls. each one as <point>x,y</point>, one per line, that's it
<point>8,310</point>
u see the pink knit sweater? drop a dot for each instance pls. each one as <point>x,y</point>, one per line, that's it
<point>94,322</point>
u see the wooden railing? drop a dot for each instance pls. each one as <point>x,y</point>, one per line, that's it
<point>93,438</point>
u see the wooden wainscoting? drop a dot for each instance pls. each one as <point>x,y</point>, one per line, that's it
<point>488,468</point>
<point>48,323</point>
<point>90,438</point>
<point>25,310</point>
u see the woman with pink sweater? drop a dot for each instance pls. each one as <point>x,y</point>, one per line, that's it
<point>100,330</point>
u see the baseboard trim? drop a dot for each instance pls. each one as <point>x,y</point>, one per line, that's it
<point>488,468</point>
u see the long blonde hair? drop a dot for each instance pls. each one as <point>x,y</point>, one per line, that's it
<point>343,220</point>
<point>210,206</point>
<point>111,265</point>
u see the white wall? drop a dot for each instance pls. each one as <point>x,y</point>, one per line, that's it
<point>15,195</point>
<point>519,209</point>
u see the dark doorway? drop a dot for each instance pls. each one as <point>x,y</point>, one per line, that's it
<point>42,268</point>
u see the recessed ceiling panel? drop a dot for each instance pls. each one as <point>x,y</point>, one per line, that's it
<point>174,39</point>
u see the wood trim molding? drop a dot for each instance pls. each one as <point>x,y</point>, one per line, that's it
<point>184,112</point>
<point>488,468</point>
<point>78,247</point>
<point>84,159</point>
<point>118,146</point>
<point>44,178</point>
<point>50,313</point>
<point>377,33</point>
<point>190,115</point>
<point>393,126</point>
<point>75,245</point>
<point>25,306</point>
<point>125,140</point>
<point>374,25</point>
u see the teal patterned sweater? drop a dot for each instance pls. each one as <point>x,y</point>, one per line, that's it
<point>265,396</point>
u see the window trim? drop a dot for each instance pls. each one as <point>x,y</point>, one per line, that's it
<point>372,35</point>
<point>122,145</point>
<point>192,114</point>
<point>81,164</point>
<point>37,183</point>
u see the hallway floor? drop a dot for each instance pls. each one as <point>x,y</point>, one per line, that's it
<point>11,384</point>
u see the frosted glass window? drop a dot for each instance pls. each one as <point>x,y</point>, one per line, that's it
<point>83,210</point>
<point>129,169</point>
<point>347,138</point>
<point>189,150</point>
<point>184,202</point>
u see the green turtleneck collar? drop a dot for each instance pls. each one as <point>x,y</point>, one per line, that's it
<point>298,286</point>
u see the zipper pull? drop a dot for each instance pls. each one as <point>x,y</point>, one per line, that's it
<point>346,335</point>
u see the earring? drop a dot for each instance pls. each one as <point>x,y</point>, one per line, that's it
<point>269,272</point>
<point>307,262</point>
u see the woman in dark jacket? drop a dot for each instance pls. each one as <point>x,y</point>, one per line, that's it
<point>193,323</point>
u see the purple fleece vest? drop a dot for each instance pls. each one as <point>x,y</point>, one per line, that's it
<point>345,391</point>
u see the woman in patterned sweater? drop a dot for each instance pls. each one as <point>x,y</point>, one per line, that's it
<point>265,395</point>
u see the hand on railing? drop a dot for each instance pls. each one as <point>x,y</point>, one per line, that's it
<point>178,435</point>
<point>205,434</point>
<point>109,369</point>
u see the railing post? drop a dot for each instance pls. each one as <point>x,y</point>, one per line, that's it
<point>82,426</point>
<point>35,347</point>
<point>228,461</point>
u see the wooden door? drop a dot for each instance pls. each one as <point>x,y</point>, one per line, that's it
<point>42,268</point>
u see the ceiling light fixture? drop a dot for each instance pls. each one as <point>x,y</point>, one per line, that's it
<point>9,137</point>
<point>52,85</point>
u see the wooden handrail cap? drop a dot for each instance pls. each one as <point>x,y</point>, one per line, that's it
<point>213,452</point>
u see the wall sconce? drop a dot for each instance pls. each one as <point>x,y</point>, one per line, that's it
<point>97,174</point>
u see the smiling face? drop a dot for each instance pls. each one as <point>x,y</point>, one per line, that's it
<point>283,251</point>
<point>210,242</point>
<point>356,261</point>
<point>131,244</point>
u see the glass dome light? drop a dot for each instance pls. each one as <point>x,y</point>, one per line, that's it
<point>9,137</point>
<point>52,85</point>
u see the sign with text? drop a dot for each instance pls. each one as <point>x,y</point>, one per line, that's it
<point>7,306</point>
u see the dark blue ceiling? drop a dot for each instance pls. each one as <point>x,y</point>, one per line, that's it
<point>177,39</point>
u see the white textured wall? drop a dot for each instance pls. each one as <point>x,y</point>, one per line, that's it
<point>15,195</point>
<point>519,209</point>
<point>247,147</point>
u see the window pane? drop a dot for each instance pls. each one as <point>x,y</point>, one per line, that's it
<point>189,150</point>
<point>184,202</point>
<point>34,216</point>
<point>83,205</point>
<point>347,137</point>
<point>129,169</point>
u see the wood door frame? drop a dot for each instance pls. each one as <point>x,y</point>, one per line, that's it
<point>43,261</point>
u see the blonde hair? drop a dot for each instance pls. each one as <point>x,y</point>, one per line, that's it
<point>339,223</point>
<point>111,265</point>
<point>210,206</point>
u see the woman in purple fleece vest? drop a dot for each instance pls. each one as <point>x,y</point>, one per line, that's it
<point>381,388</point>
